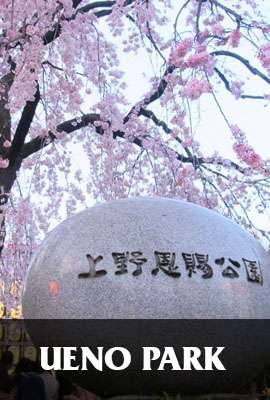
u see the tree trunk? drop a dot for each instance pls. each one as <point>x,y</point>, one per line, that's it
<point>7,179</point>
<point>7,175</point>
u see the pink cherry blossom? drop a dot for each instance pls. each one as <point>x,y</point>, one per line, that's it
<point>264,56</point>
<point>248,155</point>
<point>194,88</point>
<point>218,29</point>
<point>237,88</point>
<point>235,37</point>
<point>198,59</point>
<point>183,48</point>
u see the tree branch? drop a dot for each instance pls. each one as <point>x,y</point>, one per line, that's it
<point>178,16</point>
<point>154,96</point>
<point>244,61</point>
<point>75,3</point>
<point>228,87</point>
<point>23,127</point>
<point>149,114</point>
<point>53,34</point>
<point>97,4</point>
<point>72,125</point>
<point>199,10</point>
<point>91,119</point>
<point>77,123</point>
<point>228,10</point>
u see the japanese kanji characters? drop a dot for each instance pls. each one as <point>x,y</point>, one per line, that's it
<point>229,271</point>
<point>198,261</point>
<point>121,260</point>
<point>253,270</point>
<point>93,273</point>
<point>164,263</point>
<point>138,259</point>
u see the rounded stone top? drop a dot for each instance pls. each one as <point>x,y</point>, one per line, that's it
<point>148,258</point>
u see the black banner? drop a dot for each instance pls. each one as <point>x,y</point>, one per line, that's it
<point>159,345</point>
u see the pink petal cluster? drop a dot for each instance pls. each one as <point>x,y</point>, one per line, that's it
<point>179,57</point>
<point>238,134</point>
<point>194,88</point>
<point>248,155</point>
<point>218,29</point>
<point>180,51</point>
<point>198,59</point>
<point>264,56</point>
<point>237,89</point>
<point>245,152</point>
<point>183,48</point>
<point>235,38</point>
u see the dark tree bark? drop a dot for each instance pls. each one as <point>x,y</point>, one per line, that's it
<point>7,176</point>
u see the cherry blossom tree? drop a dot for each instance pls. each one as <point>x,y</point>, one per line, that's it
<point>64,89</point>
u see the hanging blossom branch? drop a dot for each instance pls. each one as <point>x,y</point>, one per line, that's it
<point>238,18</point>
<point>138,110</point>
<point>204,35</point>
<point>29,111</point>
<point>163,83</point>
<point>83,121</point>
<point>55,33</point>
<point>75,124</point>
<point>228,87</point>
<point>244,61</point>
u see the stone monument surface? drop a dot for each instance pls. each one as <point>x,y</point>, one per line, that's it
<point>155,259</point>
<point>148,258</point>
